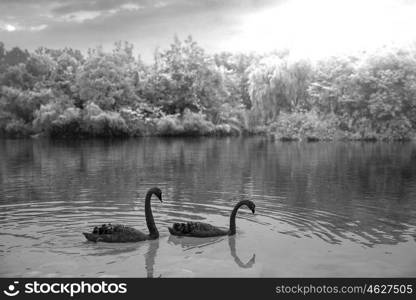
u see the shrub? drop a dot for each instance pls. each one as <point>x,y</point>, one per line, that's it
<point>17,128</point>
<point>169,125</point>
<point>99,123</point>
<point>396,129</point>
<point>227,130</point>
<point>196,124</point>
<point>67,124</point>
<point>305,125</point>
<point>22,103</point>
<point>135,121</point>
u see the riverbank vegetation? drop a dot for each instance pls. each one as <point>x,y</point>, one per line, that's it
<point>185,91</point>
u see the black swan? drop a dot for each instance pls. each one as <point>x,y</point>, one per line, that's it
<point>198,229</point>
<point>122,234</point>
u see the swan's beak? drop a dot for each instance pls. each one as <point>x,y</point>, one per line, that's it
<point>161,199</point>
<point>253,210</point>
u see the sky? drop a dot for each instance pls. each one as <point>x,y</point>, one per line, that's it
<point>308,28</point>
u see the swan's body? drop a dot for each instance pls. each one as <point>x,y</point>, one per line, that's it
<point>199,229</point>
<point>115,234</point>
<point>123,234</point>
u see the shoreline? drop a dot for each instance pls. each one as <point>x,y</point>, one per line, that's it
<point>305,139</point>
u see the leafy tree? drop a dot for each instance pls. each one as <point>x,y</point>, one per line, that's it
<point>107,79</point>
<point>185,78</point>
<point>329,83</point>
<point>384,87</point>
<point>15,56</point>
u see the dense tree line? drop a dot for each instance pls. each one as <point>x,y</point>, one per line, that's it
<point>185,91</point>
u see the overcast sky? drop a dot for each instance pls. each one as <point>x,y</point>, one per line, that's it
<point>307,27</point>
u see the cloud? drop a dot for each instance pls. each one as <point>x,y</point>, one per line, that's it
<point>79,16</point>
<point>80,12</point>
<point>9,27</point>
<point>67,7</point>
<point>38,27</point>
<point>160,4</point>
<point>16,27</point>
<point>146,23</point>
<point>124,7</point>
<point>31,13</point>
<point>130,6</point>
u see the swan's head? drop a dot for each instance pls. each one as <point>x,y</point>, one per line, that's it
<point>252,206</point>
<point>156,191</point>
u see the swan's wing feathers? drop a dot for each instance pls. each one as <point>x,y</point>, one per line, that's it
<point>202,226</point>
<point>116,233</point>
<point>112,228</point>
<point>198,229</point>
<point>103,229</point>
<point>189,227</point>
<point>123,229</point>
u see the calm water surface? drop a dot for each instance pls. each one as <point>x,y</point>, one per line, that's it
<point>323,209</point>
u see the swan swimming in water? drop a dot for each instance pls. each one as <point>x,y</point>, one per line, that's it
<point>122,234</point>
<point>199,229</point>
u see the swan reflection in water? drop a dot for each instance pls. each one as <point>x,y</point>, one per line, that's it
<point>123,248</point>
<point>150,257</point>
<point>249,264</point>
<point>192,243</point>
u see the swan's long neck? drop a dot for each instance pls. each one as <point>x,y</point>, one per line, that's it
<point>233,215</point>
<point>153,233</point>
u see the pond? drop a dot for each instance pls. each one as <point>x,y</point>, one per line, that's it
<point>322,209</point>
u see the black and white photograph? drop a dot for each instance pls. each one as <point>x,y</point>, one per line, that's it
<point>207,139</point>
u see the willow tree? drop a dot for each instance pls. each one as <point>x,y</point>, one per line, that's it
<point>277,84</point>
